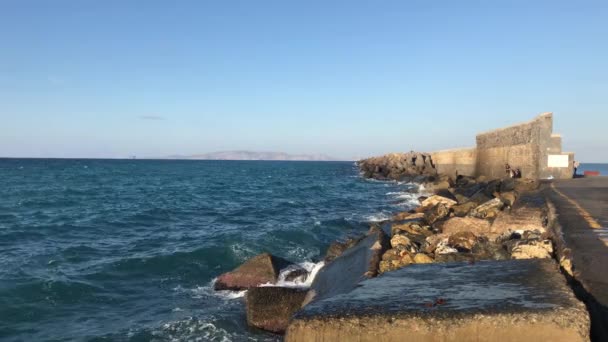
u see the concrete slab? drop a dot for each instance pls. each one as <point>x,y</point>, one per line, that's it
<point>582,213</point>
<point>515,300</point>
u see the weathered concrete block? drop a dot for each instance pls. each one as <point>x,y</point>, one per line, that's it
<point>515,300</point>
<point>351,267</point>
<point>271,308</point>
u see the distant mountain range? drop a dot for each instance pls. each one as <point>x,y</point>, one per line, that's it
<point>251,155</point>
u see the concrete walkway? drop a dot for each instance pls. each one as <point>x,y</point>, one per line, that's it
<point>582,208</point>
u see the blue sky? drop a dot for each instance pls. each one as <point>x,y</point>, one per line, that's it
<point>344,78</point>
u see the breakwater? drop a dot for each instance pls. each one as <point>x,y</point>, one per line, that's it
<point>440,254</point>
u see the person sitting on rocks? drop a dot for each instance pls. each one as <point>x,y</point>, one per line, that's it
<point>517,173</point>
<point>508,170</point>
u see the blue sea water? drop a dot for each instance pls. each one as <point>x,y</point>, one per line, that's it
<point>125,250</point>
<point>602,168</point>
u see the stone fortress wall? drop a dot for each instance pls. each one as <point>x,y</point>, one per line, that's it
<point>531,146</point>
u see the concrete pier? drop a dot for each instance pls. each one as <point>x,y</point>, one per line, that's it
<point>515,300</point>
<point>582,213</point>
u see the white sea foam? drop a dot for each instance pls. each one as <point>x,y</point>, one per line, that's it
<point>241,251</point>
<point>378,217</point>
<point>310,267</point>
<point>192,329</point>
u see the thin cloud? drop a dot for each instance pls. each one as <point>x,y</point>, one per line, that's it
<point>151,117</point>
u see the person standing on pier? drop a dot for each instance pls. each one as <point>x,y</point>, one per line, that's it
<point>575,164</point>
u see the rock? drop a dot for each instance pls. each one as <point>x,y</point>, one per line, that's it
<point>271,308</point>
<point>462,210</point>
<point>443,247</point>
<point>445,193</point>
<point>436,213</point>
<point>440,185</point>
<point>526,185</point>
<point>398,166</point>
<point>463,241</point>
<point>422,198</point>
<point>436,199</point>
<point>454,257</point>
<point>432,241</point>
<point>488,210</point>
<point>479,197</point>
<point>337,248</point>
<point>507,184</point>
<point>298,274</point>
<point>422,258</point>
<point>412,229</point>
<point>474,225</point>
<point>486,250</point>
<point>261,269</point>
<point>405,216</point>
<point>400,240</point>
<point>508,198</point>
<point>396,263</point>
<point>532,250</point>
<point>461,198</point>
<point>492,187</point>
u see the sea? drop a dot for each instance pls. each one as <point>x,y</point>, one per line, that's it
<point>128,250</point>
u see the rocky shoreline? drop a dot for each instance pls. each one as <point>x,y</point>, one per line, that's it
<point>460,220</point>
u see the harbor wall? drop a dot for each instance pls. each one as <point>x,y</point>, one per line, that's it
<point>530,146</point>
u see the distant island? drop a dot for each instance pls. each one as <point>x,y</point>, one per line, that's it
<point>251,155</point>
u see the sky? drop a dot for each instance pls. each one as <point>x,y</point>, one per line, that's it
<point>345,78</point>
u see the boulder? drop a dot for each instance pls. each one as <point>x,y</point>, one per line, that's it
<point>463,241</point>
<point>406,216</point>
<point>488,250</point>
<point>462,210</point>
<point>468,190</point>
<point>533,250</point>
<point>492,187</point>
<point>413,229</point>
<point>422,258</point>
<point>455,257</point>
<point>400,240</point>
<point>261,269</point>
<point>445,193</point>
<point>488,210</point>
<point>474,225</point>
<point>396,261</point>
<point>479,198</point>
<point>526,185</point>
<point>436,199</point>
<point>270,308</point>
<point>297,274</point>
<point>508,198</point>
<point>399,166</point>
<point>443,247</point>
<point>507,184</point>
<point>432,241</point>
<point>436,213</point>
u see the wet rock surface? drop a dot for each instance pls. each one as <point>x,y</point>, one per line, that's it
<point>354,265</point>
<point>515,300</point>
